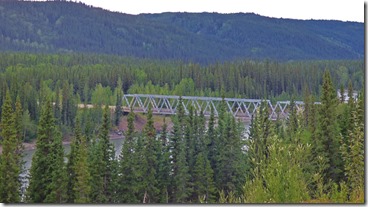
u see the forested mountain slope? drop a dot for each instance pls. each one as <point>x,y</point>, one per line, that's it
<point>57,26</point>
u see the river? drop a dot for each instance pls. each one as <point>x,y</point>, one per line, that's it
<point>27,155</point>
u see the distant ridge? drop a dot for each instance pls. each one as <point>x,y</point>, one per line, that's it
<point>59,26</point>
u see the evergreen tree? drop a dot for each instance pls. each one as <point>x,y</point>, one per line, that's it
<point>71,165</point>
<point>204,186</point>
<point>292,119</point>
<point>47,162</point>
<point>260,131</point>
<point>11,158</point>
<point>163,168</point>
<point>59,180</point>
<point>119,100</point>
<point>82,186</point>
<point>103,164</point>
<point>342,94</point>
<point>95,163</point>
<point>151,185</point>
<point>353,155</point>
<point>126,191</point>
<point>57,107</point>
<point>231,163</point>
<point>307,106</point>
<point>180,176</point>
<point>327,144</point>
<point>212,139</point>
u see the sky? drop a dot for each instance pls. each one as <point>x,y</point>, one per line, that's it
<point>344,10</point>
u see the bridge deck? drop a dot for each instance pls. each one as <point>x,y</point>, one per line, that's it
<point>241,108</point>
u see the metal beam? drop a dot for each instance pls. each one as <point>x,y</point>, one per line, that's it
<point>165,104</point>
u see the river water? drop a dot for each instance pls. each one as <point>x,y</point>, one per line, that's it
<point>29,153</point>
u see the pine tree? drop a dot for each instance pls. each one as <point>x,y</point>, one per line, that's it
<point>292,119</point>
<point>57,107</point>
<point>126,191</point>
<point>103,164</point>
<point>119,100</point>
<point>342,94</point>
<point>58,185</point>
<point>260,131</point>
<point>189,136</point>
<point>327,144</point>
<point>180,176</point>
<point>204,186</point>
<point>353,155</point>
<point>11,158</point>
<point>163,168</point>
<point>47,161</point>
<point>212,139</point>
<point>71,165</point>
<point>82,186</point>
<point>307,106</point>
<point>230,163</point>
<point>151,186</point>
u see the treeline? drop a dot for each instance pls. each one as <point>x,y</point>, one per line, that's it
<point>94,79</point>
<point>316,155</point>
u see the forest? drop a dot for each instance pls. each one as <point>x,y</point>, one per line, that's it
<point>64,27</point>
<point>314,156</point>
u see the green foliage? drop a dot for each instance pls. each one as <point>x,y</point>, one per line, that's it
<point>204,186</point>
<point>82,186</point>
<point>102,164</point>
<point>127,189</point>
<point>151,162</point>
<point>46,183</point>
<point>10,162</point>
<point>353,155</point>
<point>72,161</point>
<point>282,179</point>
<point>62,27</point>
<point>327,144</point>
<point>119,100</point>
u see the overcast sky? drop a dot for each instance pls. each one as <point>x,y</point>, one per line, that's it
<point>345,10</point>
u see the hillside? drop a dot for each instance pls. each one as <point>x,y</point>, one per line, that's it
<point>201,37</point>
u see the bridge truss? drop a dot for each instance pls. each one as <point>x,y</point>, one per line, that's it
<point>240,108</point>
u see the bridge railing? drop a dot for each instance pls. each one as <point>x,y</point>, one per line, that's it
<point>167,104</point>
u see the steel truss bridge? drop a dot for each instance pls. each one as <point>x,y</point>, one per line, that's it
<point>239,108</point>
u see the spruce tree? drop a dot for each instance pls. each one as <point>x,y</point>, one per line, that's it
<point>119,100</point>
<point>58,185</point>
<point>10,160</point>
<point>82,186</point>
<point>328,140</point>
<point>292,119</point>
<point>212,139</point>
<point>57,107</point>
<point>353,155</point>
<point>72,157</point>
<point>204,186</point>
<point>163,168</point>
<point>150,150</point>
<point>103,164</point>
<point>342,94</point>
<point>260,131</point>
<point>47,161</point>
<point>180,176</point>
<point>126,191</point>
